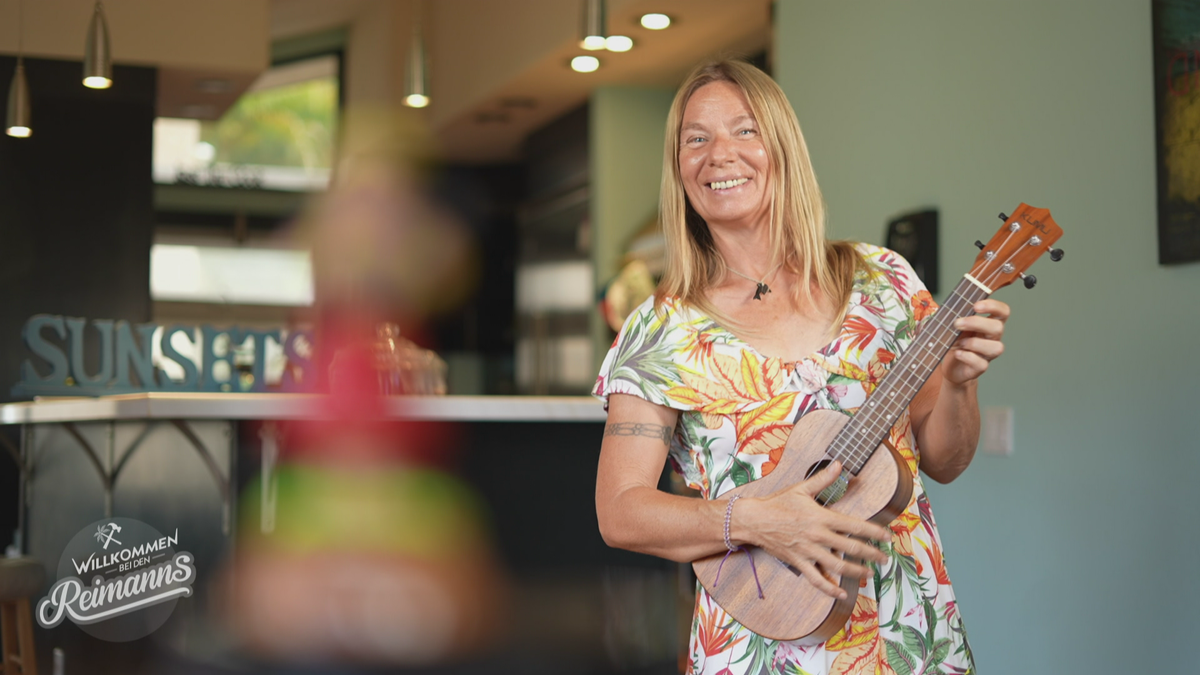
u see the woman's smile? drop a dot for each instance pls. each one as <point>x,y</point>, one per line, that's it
<point>729,184</point>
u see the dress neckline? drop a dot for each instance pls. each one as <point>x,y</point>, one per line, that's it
<point>822,351</point>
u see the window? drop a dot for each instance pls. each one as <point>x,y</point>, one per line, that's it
<point>226,275</point>
<point>278,136</point>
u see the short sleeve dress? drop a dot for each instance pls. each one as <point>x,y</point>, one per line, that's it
<point>736,410</point>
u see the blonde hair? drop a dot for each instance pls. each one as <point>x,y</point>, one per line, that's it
<point>797,213</point>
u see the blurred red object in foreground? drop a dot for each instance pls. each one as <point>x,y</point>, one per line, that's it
<point>372,553</point>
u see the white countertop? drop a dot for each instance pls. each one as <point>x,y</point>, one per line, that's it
<point>158,405</point>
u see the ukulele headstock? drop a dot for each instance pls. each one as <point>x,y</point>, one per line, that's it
<point>1025,236</point>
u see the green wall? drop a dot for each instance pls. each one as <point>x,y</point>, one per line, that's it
<point>626,135</point>
<point>1077,554</point>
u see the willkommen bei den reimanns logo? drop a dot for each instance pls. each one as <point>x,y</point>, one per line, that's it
<point>118,580</point>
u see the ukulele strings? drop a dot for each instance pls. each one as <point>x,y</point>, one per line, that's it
<point>914,378</point>
<point>955,304</point>
<point>907,383</point>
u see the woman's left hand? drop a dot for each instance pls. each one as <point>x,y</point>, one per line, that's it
<point>979,343</point>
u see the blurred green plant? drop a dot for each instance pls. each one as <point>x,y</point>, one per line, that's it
<point>292,125</point>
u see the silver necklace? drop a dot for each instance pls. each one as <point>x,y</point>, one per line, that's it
<point>762,283</point>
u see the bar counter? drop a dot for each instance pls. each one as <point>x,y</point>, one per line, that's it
<point>182,461</point>
<point>186,463</point>
<point>165,406</point>
<point>197,467</point>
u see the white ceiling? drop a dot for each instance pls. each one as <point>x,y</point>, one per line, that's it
<point>499,68</point>
<point>194,45</point>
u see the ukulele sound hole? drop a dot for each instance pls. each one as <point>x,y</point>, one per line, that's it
<point>816,468</point>
<point>835,491</point>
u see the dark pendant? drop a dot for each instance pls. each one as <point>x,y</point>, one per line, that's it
<point>762,288</point>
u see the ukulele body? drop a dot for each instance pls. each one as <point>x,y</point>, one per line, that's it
<point>792,608</point>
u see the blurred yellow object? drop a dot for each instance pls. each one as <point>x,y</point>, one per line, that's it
<point>416,511</point>
<point>631,288</point>
<point>369,564</point>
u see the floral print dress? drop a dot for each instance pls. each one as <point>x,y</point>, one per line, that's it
<point>737,408</point>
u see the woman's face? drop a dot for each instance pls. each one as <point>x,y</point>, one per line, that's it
<point>723,160</point>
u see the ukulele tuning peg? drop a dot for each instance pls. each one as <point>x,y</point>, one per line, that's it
<point>979,244</point>
<point>1004,216</point>
<point>1056,254</point>
<point>1030,280</point>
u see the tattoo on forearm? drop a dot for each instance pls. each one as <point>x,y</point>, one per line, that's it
<point>658,431</point>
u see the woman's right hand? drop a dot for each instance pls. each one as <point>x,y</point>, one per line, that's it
<point>792,526</point>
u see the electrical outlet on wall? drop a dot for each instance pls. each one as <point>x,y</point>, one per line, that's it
<point>997,433</point>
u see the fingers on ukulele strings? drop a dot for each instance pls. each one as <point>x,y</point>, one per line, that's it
<point>986,349</point>
<point>830,473</point>
<point>980,326</point>
<point>993,308</point>
<point>972,359</point>
<point>822,479</point>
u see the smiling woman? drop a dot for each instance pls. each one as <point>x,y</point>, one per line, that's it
<point>740,195</point>
<point>759,322</point>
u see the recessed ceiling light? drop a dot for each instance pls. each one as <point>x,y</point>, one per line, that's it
<point>593,42</point>
<point>618,43</point>
<point>585,64</point>
<point>655,21</point>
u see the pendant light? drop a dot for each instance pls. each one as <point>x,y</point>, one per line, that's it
<point>416,71</point>
<point>97,58</point>
<point>17,120</point>
<point>18,104</point>
<point>595,25</point>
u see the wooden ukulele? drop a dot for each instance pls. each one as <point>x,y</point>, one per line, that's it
<point>875,484</point>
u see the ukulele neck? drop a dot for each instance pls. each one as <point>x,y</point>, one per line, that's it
<point>869,427</point>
